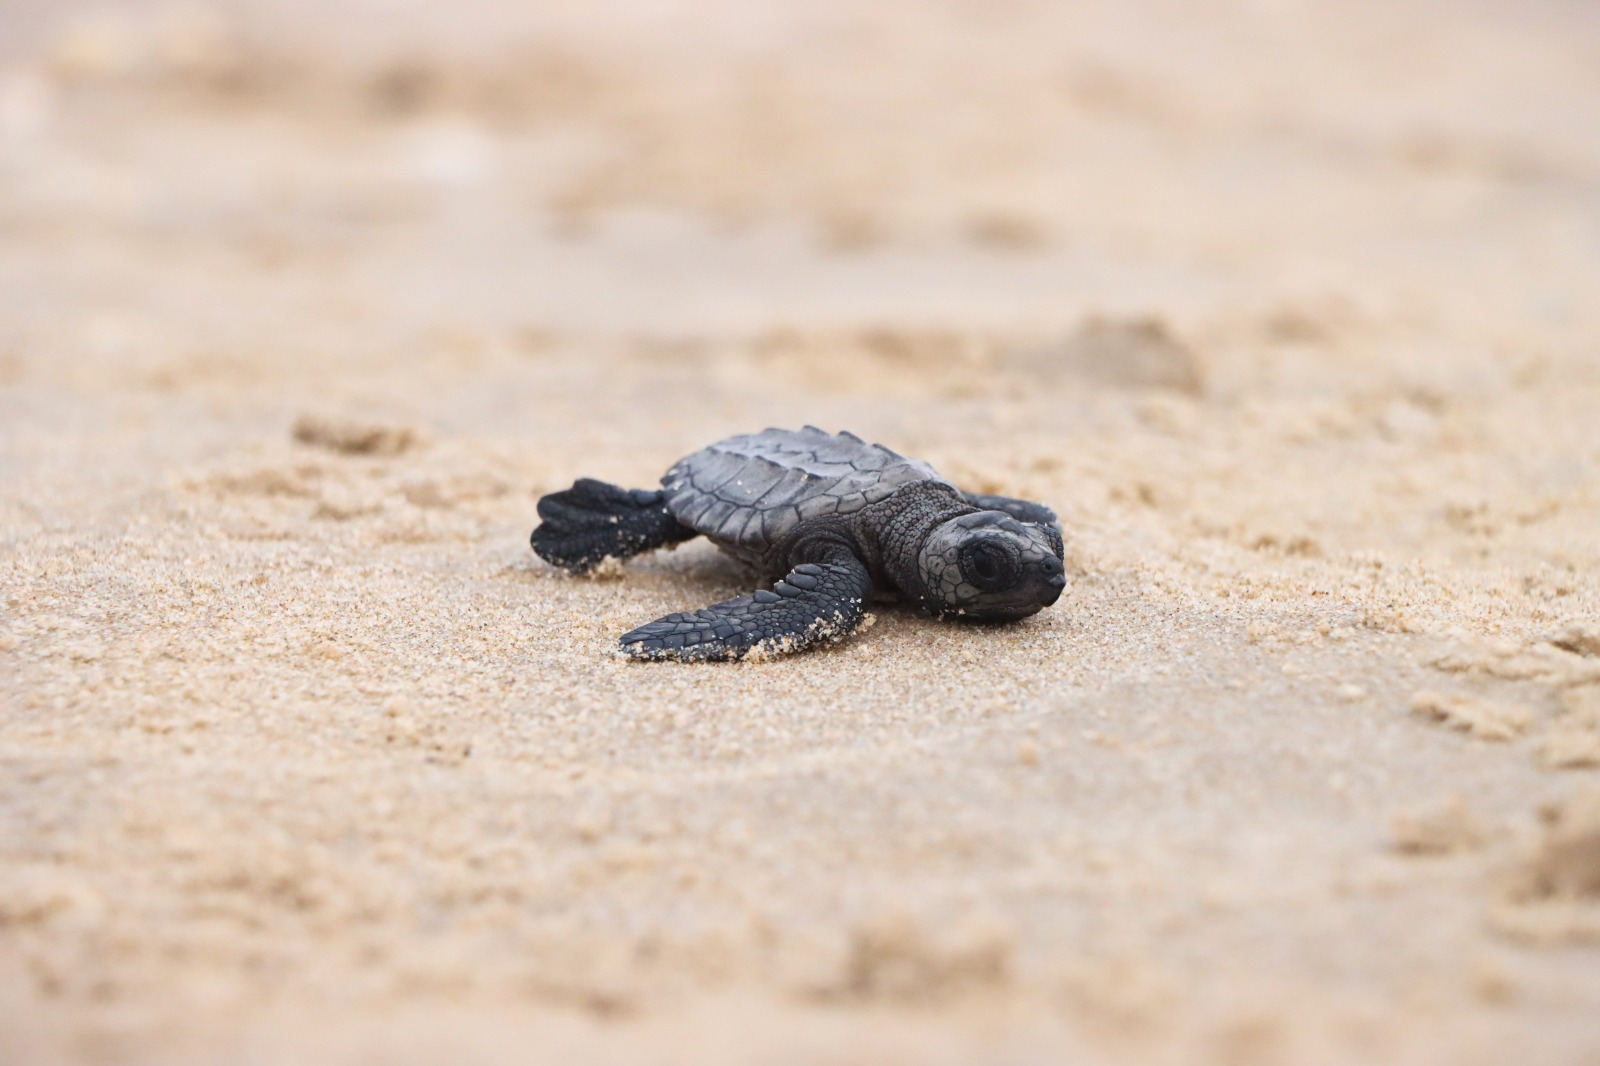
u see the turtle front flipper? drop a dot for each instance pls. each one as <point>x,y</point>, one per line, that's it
<point>816,604</point>
<point>1026,511</point>
<point>582,526</point>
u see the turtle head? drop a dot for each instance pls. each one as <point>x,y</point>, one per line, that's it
<point>989,567</point>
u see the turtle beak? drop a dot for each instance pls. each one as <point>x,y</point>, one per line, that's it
<point>1055,580</point>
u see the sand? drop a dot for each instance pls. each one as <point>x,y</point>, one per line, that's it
<point>1291,310</point>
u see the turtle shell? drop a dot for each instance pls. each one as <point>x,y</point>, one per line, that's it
<point>746,492</point>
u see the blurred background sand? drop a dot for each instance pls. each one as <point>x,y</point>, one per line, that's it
<point>1291,309</point>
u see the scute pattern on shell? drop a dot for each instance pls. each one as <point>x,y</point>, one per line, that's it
<point>748,491</point>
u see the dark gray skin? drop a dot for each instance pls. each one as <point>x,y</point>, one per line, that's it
<point>833,522</point>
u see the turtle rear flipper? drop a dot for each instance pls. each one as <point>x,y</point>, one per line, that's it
<point>582,526</point>
<point>817,603</point>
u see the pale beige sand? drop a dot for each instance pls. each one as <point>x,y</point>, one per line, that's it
<point>1292,310</point>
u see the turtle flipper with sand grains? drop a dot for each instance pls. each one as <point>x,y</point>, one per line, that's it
<point>832,521</point>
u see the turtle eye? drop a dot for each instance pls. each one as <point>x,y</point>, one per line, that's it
<point>987,566</point>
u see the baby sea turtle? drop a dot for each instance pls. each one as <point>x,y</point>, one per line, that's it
<point>836,519</point>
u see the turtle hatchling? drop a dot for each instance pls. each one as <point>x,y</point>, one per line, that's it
<point>833,521</point>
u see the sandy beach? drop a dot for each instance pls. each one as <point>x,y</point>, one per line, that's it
<point>1290,309</point>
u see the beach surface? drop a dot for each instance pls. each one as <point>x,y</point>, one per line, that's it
<point>1290,309</point>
